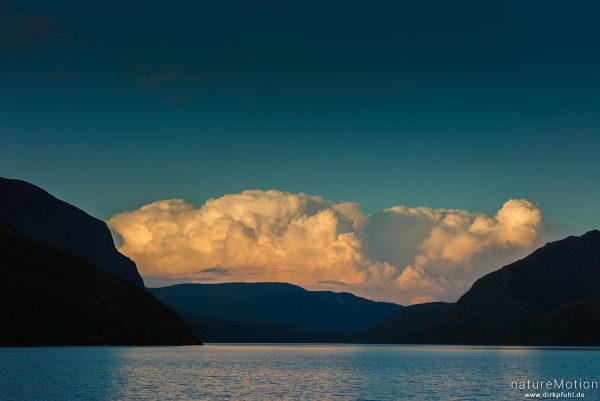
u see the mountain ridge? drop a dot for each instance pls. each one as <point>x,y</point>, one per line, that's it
<point>546,298</point>
<point>294,313</point>
<point>37,215</point>
<point>52,297</point>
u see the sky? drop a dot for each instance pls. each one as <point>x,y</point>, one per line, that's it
<point>460,105</point>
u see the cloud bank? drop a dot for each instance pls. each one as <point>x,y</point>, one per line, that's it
<point>403,254</point>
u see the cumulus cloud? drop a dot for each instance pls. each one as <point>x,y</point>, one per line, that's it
<point>443,263</point>
<point>408,255</point>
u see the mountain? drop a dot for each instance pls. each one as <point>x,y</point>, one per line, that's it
<point>406,322</point>
<point>36,215</point>
<point>269,312</point>
<point>52,297</point>
<point>551,297</point>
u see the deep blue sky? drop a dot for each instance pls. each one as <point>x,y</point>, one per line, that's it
<point>456,104</point>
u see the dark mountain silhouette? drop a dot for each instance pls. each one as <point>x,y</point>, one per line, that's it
<point>551,297</point>
<point>269,312</point>
<point>36,215</point>
<point>406,322</point>
<point>62,281</point>
<point>51,297</point>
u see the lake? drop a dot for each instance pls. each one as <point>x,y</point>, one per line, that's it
<point>298,371</point>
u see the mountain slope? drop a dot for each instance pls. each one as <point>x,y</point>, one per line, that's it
<point>407,321</point>
<point>272,311</point>
<point>36,215</point>
<point>51,297</point>
<point>550,297</point>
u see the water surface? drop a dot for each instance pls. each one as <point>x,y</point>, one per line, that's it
<point>293,372</point>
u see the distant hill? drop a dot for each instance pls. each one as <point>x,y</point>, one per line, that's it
<point>51,297</point>
<point>36,215</point>
<point>551,297</point>
<point>270,312</point>
<point>406,322</point>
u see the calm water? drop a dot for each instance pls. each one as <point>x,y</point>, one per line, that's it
<point>262,372</point>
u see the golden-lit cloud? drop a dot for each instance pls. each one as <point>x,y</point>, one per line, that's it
<point>409,255</point>
<point>443,263</point>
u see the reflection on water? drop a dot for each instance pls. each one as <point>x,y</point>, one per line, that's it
<point>271,371</point>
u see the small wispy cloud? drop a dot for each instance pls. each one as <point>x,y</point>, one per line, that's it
<point>200,280</point>
<point>158,78</point>
<point>24,31</point>
<point>47,76</point>
<point>176,99</point>
<point>221,271</point>
<point>333,282</point>
<point>192,79</point>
